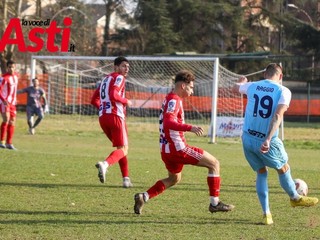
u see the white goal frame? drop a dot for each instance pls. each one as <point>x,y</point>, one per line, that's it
<point>215,79</point>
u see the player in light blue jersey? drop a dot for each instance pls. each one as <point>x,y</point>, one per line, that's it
<point>267,102</point>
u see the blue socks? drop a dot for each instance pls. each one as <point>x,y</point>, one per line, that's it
<point>262,191</point>
<point>288,184</point>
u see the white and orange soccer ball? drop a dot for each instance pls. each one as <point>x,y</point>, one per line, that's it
<point>301,186</point>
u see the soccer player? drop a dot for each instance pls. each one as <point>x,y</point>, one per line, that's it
<point>35,96</point>
<point>8,97</point>
<point>175,152</point>
<point>268,100</point>
<point>110,99</point>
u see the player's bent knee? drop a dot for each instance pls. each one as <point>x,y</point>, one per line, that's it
<point>215,164</point>
<point>209,161</point>
<point>175,181</point>
<point>284,169</point>
<point>125,150</point>
<point>262,170</point>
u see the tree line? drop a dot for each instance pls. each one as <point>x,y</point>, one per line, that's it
<point>210,27</point>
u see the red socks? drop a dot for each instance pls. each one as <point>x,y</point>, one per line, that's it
<point>114,157</point>
<point>156,189</point>
<point>4,126</point>
<point>7,129</point>
<point>123,163</point>
<point>10,131</point>
<point>214,185</point>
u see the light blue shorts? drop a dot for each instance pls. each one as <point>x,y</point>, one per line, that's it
<point>275,158</point>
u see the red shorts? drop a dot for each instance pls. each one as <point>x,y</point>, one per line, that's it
<point>9,108</point>
<point>115,129</point>
<point>188,156</point>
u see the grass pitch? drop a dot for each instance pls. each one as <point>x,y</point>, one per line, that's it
<point>49,188</point>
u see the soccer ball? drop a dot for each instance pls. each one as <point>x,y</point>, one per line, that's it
<point>301,187</point>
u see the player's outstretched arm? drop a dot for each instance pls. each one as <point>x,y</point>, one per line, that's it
<point>21,91</point>
<point>236,86</point>
<point>197,130</point>
<point>129,103</point>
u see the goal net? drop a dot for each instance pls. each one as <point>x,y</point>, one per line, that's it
<point>70,82</point>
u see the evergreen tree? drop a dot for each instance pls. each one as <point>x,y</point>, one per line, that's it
<point>155,27</point>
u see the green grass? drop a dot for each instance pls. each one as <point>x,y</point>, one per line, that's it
<point>49,188</point>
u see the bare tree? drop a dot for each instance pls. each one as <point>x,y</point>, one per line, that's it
<point>38,8</point>
<point>110,7</point>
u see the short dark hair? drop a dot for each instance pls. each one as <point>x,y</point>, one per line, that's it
<point>119,60</point>
<point>10,62</point>
<point>273,68</point>
<point>184,76</point>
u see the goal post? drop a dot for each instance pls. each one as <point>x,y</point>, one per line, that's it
<point>70,81</point>
<point>213,124</point>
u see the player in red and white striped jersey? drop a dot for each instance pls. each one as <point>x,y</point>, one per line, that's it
<point>110,99</point>
<point>175,152</point>
<point>8,97</point>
